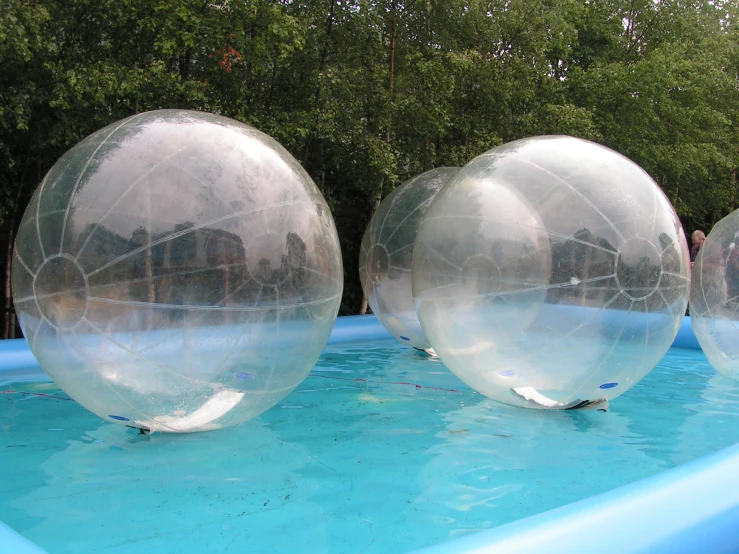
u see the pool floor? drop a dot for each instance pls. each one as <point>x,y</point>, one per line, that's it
<point>380,450</point>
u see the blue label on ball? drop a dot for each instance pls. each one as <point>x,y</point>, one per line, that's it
<point>405,338</point>
<point>608,385</point>
<point>119,417</point>
<point>244,375</point>
<point>507,373</point>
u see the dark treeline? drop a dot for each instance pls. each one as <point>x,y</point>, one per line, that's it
<point>368,93</point>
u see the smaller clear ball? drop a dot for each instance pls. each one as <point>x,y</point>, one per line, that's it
<point>714,296</point>
<point>387,253</point>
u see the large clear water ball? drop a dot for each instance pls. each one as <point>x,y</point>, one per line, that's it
<point>387,251</point>
<point>714,296</point>
<point>177,271</point>
<point>551,272</point>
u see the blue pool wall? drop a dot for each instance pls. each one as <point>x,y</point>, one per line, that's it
<point>691,508</point>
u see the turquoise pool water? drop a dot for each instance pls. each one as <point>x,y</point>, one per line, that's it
<point>380,450</point>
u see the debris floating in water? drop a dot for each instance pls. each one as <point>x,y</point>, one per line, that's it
<point>11,391</point>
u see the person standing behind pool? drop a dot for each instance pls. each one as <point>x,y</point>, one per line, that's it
<point>697,238</point>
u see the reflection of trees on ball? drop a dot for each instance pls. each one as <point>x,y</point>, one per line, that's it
<point>177,271</point>
<point>387,253</point>
<point>551,272</point>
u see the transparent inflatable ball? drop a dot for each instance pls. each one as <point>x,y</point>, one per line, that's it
<point>714,296</point>
<point>387,252</point>
<point>177,271</point>
<point>551,272</point>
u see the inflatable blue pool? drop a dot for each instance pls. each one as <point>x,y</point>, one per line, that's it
<point>690,506</point>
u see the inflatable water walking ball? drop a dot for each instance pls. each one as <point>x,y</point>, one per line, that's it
<point>177,271</point>
<point>387,251</point>
<point>714,296</point>
<point>551,272</point>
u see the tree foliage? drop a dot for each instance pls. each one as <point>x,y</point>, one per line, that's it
<point>367,93</point>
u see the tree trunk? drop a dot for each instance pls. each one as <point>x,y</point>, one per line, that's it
<point>9,316</point>
<point>317,94</point>
<point>8,259</point>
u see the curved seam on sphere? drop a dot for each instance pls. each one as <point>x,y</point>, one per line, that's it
<point>401,269</point>
<point>666,248</point>
<point>167,275</point>
<point>32,342</point>
<point>661,269</point>
<point>678,275</point>
<point>259,295</point>
<point>401,249</point>
<point>135,354</point>
<point>216,308</point>
<point>190,230</point>
<point>573,189</point>
<point>253,309</point>
<point>82,174</point>
<point>38,328</point>
<point>382,225</point>
<point>37,297</point>
<point>129,189</point>
<point>622,221</point>
<point>667,304</point>
<point>132,281</point>
<point>700,280</point>
<point>654,213</point>
<point>651,289</point>
<point>613,346</point>
<point>583,324</point>
<point>15,253</point>
<point>545,346</point>
<point>524,290</point>
<point>372,297</point>
<point>198,318</point>
<point>277,350</point>
<point>674,287</point>
<point>433,250</point>
<point>414,210</point>
<point>230,355</point>
<point>332,279</point>
<point>523,256</point>
<point>646,337</point>
<point>82,353</point>
<point>440,287</point>
<point>520,224</point>
<point>38,225</point>
<point>160,219</point>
